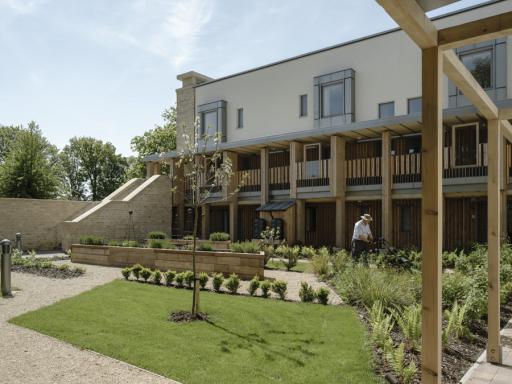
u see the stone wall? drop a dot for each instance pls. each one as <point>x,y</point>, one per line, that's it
<point>149,202</point>
<point>245,265</point>
<point>38,220</point>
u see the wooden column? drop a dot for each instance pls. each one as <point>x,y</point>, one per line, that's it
<point>387,210</point>
<point>494,164</point>
<point>233,220</point>
<point>157,168</point>
<point>431,215</point>
<point>178,196</point>
<point>337,186</point>
<point>301,220</point>
<point>504,189</point>
<point>205,221</point>
<point>264,175</point>
<point>149,169</point>
<point>296,155</point>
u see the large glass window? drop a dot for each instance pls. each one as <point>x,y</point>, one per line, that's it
<point>209,123</point>
<point>386,109</point>
<point>480,65</point>
<point>332,99</point>
<point>466,143</point>
<point>414,106</point>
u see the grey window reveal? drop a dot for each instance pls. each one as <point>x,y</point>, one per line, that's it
<point>303,105</point>
<point>209,124</point>
<point>386,109</point>
<point>213,119</point>
<point>332,99</point>
<point>414,106</point>
<point>240,118</point>
<point>479,63</point>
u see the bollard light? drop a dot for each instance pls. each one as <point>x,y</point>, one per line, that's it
<point>6,268</point>
<point>18,241</point>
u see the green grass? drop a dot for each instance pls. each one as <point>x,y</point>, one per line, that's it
<point>249,340</point>
<point>279,264</point>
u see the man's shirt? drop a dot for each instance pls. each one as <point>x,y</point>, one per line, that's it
<point>360,228</point>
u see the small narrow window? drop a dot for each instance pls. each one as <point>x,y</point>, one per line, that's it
<point>240,118</point>
<point>386,109</point>
<point>405,218</point>
<point>414,106</point>
<point>303,105</point>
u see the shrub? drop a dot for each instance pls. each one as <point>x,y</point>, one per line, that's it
<point>203,279</point>
<point>189,278</point>
<point>281,250</point>
<point>145,273</point>
<point>409,321</point>
<point>232,283</point>
<point>205,247</point>
<point>254,284</point>
<point>322,295</point>
<point>136,269</point>
<point>381,325</point>
<point>115,243</point>
<point>92,240</point>
<point>157,235</point>
<point>217,281</point>
<point>449,259</point>
<point>160,244</point>
<point>455,327</point>
<point>306,292</point>
<point>126,272</point>
<point>320,262</point>
<point>265,287</point>
<point>169,277</point>
<point>292,257</point>
<point>396,359</point>
<point>307,252</point>
<point>268,250</point>
<point>188,237</point>
<point>456,287</point>
<point>179,279</point>
<point>219,236</point>
<point>340,260</point>
<point>280,288</point>
<point>467,262</point>
<point>245,247</point>
<point>130,243</point>
<point>157,277</point>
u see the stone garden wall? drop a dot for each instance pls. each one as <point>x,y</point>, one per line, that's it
<point>245,265</point>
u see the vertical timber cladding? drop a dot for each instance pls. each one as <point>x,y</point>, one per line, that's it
<point>320,228</point>
<point>246,216</point>
<point>465,222</point>
<point>219,218</point>
<point>354,210</point>
<point>189,221</point>
<point>406,224</point>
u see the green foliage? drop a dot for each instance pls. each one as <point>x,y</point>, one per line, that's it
<point>188,237</point>
<point>280,288</point>
<point>203,279</point>
<point>91,240</point>
<point>157,277</point>
<point>160,244</point>
<point>449,259</point>
<point>157,235</point>
<point>189,278</point>
<point>232,283</point>
<point>456,287</point>
<point>29,169</point>
<point>306,292</point>
<point>396,359</point>
<point>265,286</point>
<point>245,247</point>
<point>307,252</point>
<point>340,260</point>
<point>455,327</point>
<point>126,272</point>
<point>217,281</point>
<point>8,136</point>
<point>136,270</point>
<point>322,294</point>
<point>468,262</point>
<point>160,139</point>
<point>381,326</point>
<point>268,251</point>
<point>321,263</point>
<point>169,277</point>
<point>219,236</point>
<point>179,279</point>
<point>205,247</point>
<point>130,244</point>
<point>408,320</point>
<point>145,273</point>
<point>254,284</point>
<point>292,257</point>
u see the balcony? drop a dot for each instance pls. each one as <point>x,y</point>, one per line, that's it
<point>279,178</point>
<point>249,180</point>
<point>364,171</point>
<point>313,173</point>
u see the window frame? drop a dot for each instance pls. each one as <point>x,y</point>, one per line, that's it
<point>303,112</point>
<point>489,49</point>
<point>386,103</point>
<point>330,84</point>
<point>409,105</point>
<point>239,118</point>
<point>306,168</point>
<point>454,145</point>
<point>203,125</point>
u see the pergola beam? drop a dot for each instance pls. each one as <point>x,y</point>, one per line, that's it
<point>506,130</point>
<point>476,31</point>
<point>429,5</point>
<point>505,113</point>
<point>409,15</point>
<point>464,80</point>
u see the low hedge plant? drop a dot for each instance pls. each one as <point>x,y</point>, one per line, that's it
<point>203,279</point>
<point>233,283</point>
<point>280,288</point>
<point>157,235</point>
<point>169,277</point>
<point>92,240</point>
<point>254,284</point>
<point>219,236</point>
<point>217,281</point>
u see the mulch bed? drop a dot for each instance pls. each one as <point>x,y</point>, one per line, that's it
<point>52,272</point>
<point>458,356</point>
<point>186,316</point>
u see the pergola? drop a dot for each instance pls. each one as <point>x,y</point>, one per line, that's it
<point>438,58</point>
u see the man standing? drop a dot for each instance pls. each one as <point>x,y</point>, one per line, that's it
<point>362,237</point>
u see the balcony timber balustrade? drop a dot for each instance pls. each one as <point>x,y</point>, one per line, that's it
<point>313,173</point>
<point>249,180</point>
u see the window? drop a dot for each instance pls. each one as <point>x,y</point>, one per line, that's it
<point>332,99</point>
<point>303,105</point>
<point>386,109</point>
<point>310,219</point>
<point>414,106</point>
<point>405,218</point>
<point>209,123</point>
<point>312,155</point>
<point>465,144</point>
<point>240,118</point>
<point>479,63</point>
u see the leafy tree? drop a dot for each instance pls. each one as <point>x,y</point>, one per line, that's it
<point>7,138</point>
<point>160,139</point>
<point>92,168</point>
<point>30,168</point>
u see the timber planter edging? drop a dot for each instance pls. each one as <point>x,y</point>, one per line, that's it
<point>220,245</point>
<point>245,265</point>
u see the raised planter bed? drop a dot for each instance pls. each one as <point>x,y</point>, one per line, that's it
<point>245,265</point>
<point>217,245</point>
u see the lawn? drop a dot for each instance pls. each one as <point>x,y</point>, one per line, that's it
<point>280,264</point>
<point>248,340</point>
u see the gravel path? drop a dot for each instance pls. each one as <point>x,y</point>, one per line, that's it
<point>27,357</point>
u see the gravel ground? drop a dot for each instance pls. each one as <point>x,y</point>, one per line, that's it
<point>27,357</point>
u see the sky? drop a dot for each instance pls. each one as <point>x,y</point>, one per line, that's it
<point>107,68</point>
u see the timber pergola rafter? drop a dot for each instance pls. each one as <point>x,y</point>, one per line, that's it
<point>438,58</point>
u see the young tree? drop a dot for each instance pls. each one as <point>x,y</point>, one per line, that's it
<point>160,139</point>
<point>204,169</point>
<point>30,168</point>
<point>7,139</point>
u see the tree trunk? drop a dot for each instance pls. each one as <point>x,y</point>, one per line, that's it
<point>195,296</point>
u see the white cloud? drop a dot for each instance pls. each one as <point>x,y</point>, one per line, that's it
<point>22,6</point>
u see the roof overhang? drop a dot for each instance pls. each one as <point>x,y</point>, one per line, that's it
<point>276,206</point>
